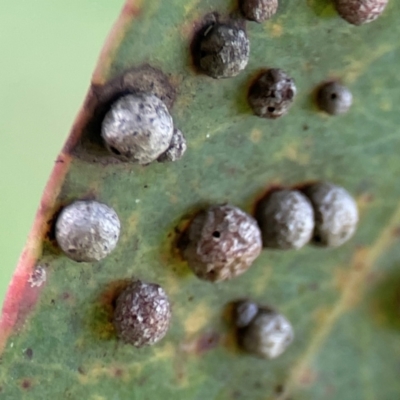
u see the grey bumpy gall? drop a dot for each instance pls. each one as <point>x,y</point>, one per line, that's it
<point>336,214</point>
<point>176,149</point>
<point>223,242</point>
<point>138,128</point>
<point>244,312</point>
<point>359,12</point>
<point>334,98</point>
<point>225,51</point>
<point>142,314</point>
<point>258,10</point>
<point>87,230</point>
<point>267,335</point>
<point>286,219</point>
<point>272,94</point>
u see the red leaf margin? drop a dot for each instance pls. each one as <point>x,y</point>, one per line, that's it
<point>21,297</point>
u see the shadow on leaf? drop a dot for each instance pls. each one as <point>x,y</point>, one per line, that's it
<point>385,301</point>
<point>101,314</point>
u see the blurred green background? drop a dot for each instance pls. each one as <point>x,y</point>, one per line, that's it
<point>48,49</point>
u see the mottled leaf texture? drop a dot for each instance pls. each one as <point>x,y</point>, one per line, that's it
<point>56,337</point>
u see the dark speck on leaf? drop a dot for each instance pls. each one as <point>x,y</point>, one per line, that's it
<point>26,384</point>
<point>208,342</point>
<point>29,353</point>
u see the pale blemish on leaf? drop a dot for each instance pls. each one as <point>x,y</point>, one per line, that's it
<point>129,229</point>
<point>94,373</point>
<point>197,319</point>
<point>357,67</point>
<point>307,377</point>
<point>364,202</point>
<point>255,135</point>
<point>323,8</point>
<point>294,152</point>
<point>263,277</point>
<point>340,278</point>
<point>173,282</point>
<point>386,105</point>
<point>320,315</point>
<point>209,161</point>
<point>173,199</point>
<point>162,351</point>
<point>275,30</point>
<point>97,397</point>
<point>191,6</point>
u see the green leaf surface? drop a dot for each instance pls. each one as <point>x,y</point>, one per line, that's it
<point>56,335</point>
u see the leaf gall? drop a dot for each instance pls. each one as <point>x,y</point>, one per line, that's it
<point>272,94</point>
<point>336,214</point>
<point>359,12</point>
<point>222,243</point>
<point>176,149</point>
<point>258,10</point>
<point>267,335</point>
<point>138,128</point>
<point>142,314</point>
<point>87,230</point>
<point>244,312</point>
<point>286,220</point>
<point>224,51</point>
<point>334,98</point>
